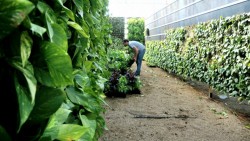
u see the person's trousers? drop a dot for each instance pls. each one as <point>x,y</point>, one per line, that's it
<point>139,62</point>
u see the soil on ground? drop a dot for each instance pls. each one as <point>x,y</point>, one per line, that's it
<point>170,109</point>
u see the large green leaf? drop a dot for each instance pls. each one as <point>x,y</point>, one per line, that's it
<point>57,34</point>
<point>26,44</point>
<point>4,136</point>
<point>59,68</point>
<point>65,132</point>
<point>55,121</point>
<point>59,117</point>
<point>69,132</point>
<point>48,101</point>
<point>79,29</point>
<point>90,125</point>
<point>82,79</point>
<point>28,73</point>
<point>12,13</point>
<point>76,96</point>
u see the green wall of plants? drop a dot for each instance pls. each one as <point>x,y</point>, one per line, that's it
<point>118,25</point>
<point>52,74</point>
<point>216,52</point>
<point>136,29</point>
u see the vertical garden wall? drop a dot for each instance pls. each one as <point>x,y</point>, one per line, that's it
<point>118,25</point>
<point>136,29</point>
<point>215,52</point>
<point>52,74</point>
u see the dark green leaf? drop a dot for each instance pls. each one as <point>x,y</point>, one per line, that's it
<point>48,101</point>
<point>69,13</point>
<point>24,101</point>
<point>4,136</point>
<point>12,14</point>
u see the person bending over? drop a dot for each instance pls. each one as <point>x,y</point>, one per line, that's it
<point>139,51</point>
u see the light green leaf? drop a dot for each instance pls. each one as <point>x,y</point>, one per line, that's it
<point>90,125</point>
<point>48,101</point>
<point>85,26</point>
<point>68,132</point>
<point>12,14</point>
<point>88,65</point>
<point>78,28</point>
<point>100,82</point>
<point>58,118</point>
<point>34,27</point>
<point>82,79</point>
<point>26,44</point>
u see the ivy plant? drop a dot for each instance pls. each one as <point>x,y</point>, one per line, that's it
<point>214,52</point>
<point>53,57</point>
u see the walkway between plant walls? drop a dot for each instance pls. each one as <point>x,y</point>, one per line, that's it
<point>171,110</point>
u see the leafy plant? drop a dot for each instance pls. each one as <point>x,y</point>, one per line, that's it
<point>123,86</point>
<point>136,29</point>
<point>121,80</point>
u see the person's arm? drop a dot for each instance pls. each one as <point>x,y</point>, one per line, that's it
<point>135,53</point>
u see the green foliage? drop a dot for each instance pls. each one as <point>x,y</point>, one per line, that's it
<point>119,59</point>
<point>121,78</point>
<point>116,44</point>
<point>215,52</point>
<point>123,86</point>
<point>136,29</point>
<point>53,57</point>
<point>118,24</point>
